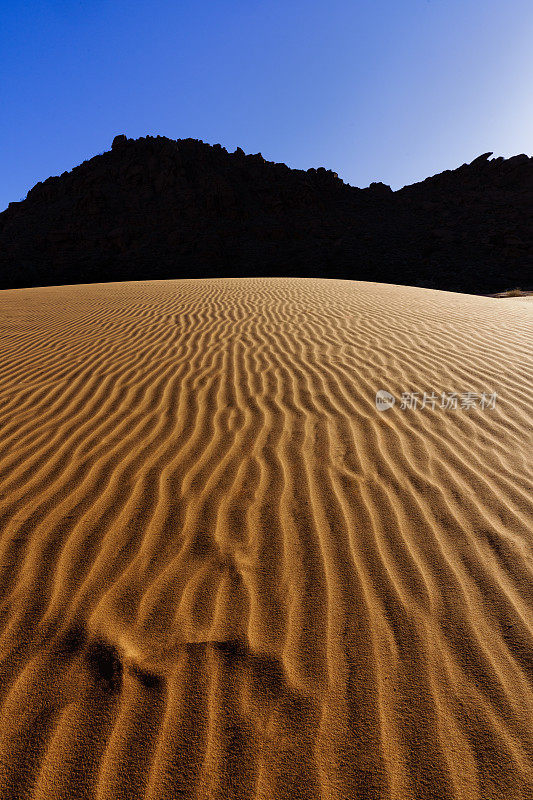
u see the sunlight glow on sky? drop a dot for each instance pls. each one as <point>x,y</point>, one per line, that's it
<point>380,90</point>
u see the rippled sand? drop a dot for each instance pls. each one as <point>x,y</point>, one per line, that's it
<point>226,574</point>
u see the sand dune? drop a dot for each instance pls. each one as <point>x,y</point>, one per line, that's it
<point>226,574</point>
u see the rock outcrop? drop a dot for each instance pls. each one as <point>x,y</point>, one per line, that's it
<point>158,208</point>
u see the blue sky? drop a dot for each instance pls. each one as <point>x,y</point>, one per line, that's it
<point>390,90</point>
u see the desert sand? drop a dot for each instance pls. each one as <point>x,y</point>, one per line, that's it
<point>226,574</point>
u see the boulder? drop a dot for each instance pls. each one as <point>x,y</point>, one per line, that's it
<point>118,141</point>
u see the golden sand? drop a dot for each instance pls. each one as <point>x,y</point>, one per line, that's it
<point>225,574</point>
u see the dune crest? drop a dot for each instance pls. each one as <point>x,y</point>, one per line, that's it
<point>227,574</point>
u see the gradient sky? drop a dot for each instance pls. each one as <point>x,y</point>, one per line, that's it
<point>388,90</point>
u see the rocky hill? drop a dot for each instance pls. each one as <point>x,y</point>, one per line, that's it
<point>157,208</point>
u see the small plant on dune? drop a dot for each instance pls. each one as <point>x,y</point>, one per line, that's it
<point>516,292</point>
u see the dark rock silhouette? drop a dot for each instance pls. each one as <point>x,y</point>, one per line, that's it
<point>118,141</point>
<point>158,208</point>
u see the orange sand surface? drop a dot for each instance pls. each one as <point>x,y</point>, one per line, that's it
<point>226,574</point>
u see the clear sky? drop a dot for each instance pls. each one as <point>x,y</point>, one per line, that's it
<point>388,90</point>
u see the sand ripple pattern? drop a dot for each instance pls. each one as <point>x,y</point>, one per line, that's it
<point>225,574</point>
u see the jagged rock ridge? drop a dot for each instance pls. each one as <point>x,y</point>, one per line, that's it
<point>158,208</point>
